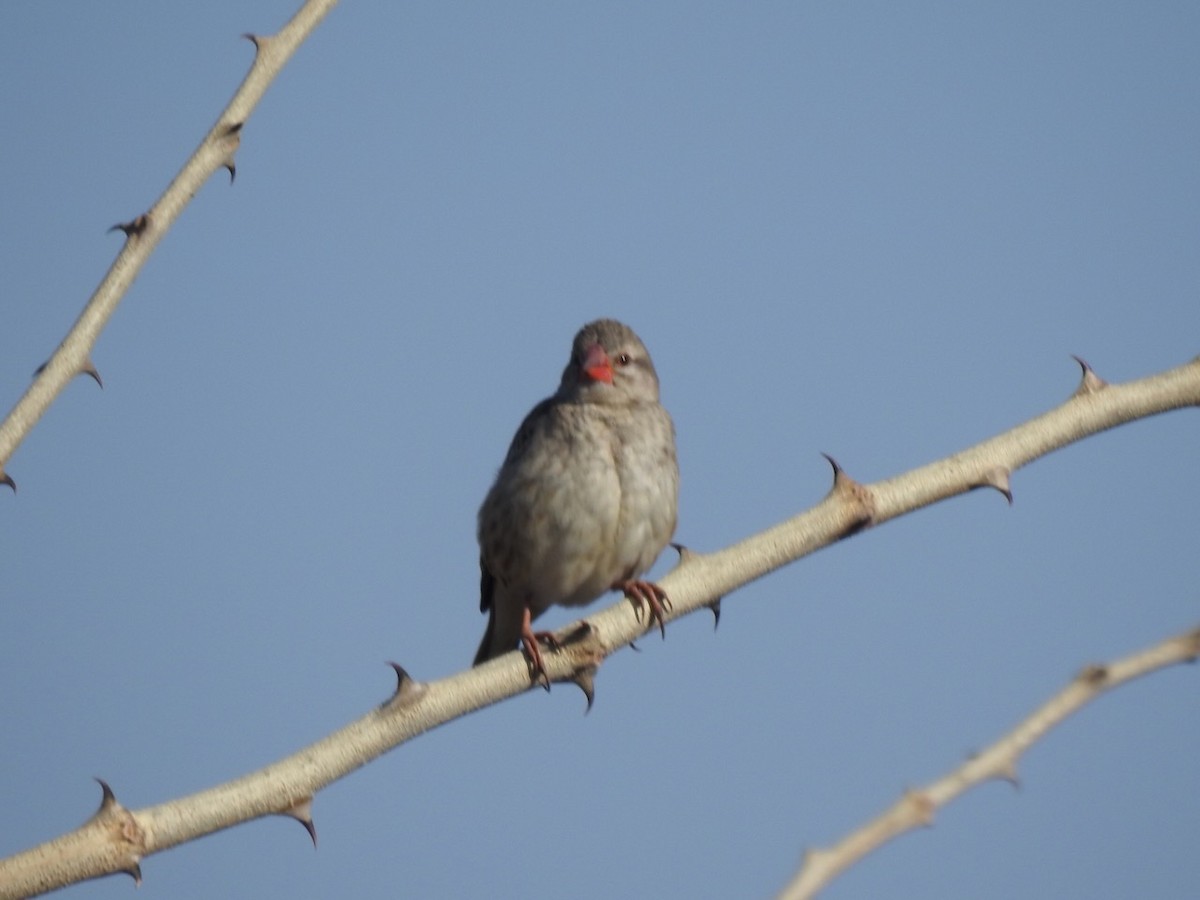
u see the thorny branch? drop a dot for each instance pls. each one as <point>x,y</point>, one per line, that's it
<point>916,808</point>
<point>143,232</point>
<point>117,839</point>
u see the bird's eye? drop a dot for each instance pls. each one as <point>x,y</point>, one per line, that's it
<point>624,359</point>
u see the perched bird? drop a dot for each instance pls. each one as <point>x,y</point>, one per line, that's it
<point>586,498</point>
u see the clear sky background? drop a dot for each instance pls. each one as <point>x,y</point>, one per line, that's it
<point>876,230</point>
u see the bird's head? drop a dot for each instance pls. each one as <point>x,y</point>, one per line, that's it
<point>609,364</point>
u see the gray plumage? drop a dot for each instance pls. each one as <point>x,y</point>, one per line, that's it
<point>586,498</point>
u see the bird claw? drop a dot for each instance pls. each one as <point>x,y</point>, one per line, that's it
<point>650,595</point>
<point>531,641</point>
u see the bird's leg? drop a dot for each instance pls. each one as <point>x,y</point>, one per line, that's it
<point>651,595</point>
<point>530,640</point>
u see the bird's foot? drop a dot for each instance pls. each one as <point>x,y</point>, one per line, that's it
<point>650,595</point>
<point>532,640</point>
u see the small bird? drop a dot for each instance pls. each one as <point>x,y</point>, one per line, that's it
<point>586,498</point>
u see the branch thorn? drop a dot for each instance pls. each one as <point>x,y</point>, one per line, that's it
<point>301,811</point>
<point>998,478</point>
<point>1090,382</point>
<point>134,871</point>
<point>133,228</point>
<point>837,469</point>
<point>858,496</point>
<point>407,689</point>
<point>5,478</point>
<point>89,368</point>
<point>585,680</point>
<point>107,798</point>
<point>684,553</point>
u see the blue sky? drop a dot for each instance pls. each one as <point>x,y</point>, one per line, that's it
<point>875,230</point>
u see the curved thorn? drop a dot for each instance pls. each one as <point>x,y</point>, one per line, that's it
<point>684,553</point>
<point>999,479</point>
<point>252,38</point>
<point>585,680</point>
<point>134,871</point>
<point>89,368</point>
<point>5,478</point>
<point>715,607</point>
<point>1089,382</point>
<point>401,675</point>
<point>837,469</point>
<point>228,164</point>
<point>407,691</point>
<point>301,811</point>
<point>107,798</point>
<point>134,227</point>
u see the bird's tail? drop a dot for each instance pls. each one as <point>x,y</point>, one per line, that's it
<point>486,647</point>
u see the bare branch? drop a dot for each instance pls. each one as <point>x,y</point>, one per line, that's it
<point>917,807</point>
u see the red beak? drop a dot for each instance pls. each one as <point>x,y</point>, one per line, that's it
<point>597,366</point>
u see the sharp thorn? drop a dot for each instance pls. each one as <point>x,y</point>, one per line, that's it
<point>401,675</point>
<point>134,871</point>
<point>5,478</point>
<point>408,689</point>
<point>715,608</point>
<point>837,469</point>
<point>107,797</point>
<point>40,369</point>
<point>685,554</point>
<point>89,368</point>
<point>301,811</point>
<point>860,498</point>
<point>228,164</point>
<point>253,38</point>
<point>998,478</point>
<point>311,829</point>
<point>109,807</point>
<point>133,228</point>
<point>1090,382</point>
<point>585,680</point>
